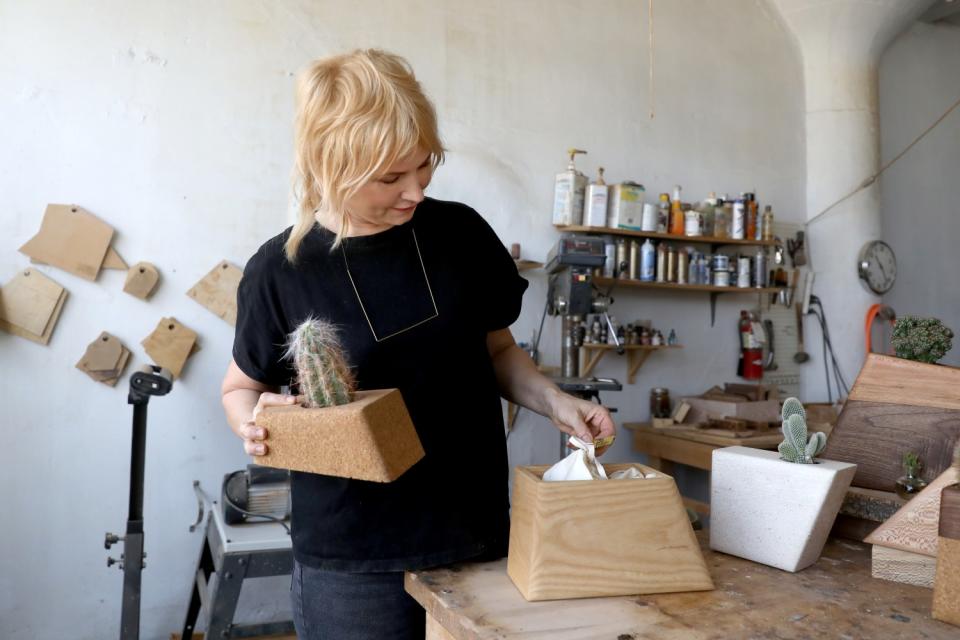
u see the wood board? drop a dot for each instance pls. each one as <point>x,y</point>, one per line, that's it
<point>30,305</point>
<point>905,567</point>
<point>105,359</point>
<point>915,527</point>
<point>72,239</point>
<point>897,406</point>
<point>217,291</point>
<point>113,260</point>
<point>142,279</point>
<point>834,598</point>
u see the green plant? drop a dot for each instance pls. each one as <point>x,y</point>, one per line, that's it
<point>911,463</point>
<point>921,339</point>
<point>795,446</point>
<point>322,372</point>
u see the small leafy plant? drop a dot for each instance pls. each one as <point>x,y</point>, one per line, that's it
<point>921,339</point>
<point>795,446</point>
<point>912,464</point>
<point>323,375</point>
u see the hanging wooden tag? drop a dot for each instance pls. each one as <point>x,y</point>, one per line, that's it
<point>217,291</point>
<point>142,279</point>
<point>105,359</point>
<point>170,344</point>
<point>30,305</point>
<point>72,239</point>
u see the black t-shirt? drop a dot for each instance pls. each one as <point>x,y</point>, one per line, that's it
<point>430,289</point>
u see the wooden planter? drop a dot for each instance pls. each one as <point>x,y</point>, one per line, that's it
<point>371,438</point>
<point>588,538</point>
<point>897,406</point>
<point>946,586</point>
<point>772,511</point>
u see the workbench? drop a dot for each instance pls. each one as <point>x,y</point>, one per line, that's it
<point>689,445</point>
<point>834,598</point>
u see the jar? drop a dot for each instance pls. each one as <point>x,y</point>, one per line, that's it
<point>659,402</point>
<point>911,484</point>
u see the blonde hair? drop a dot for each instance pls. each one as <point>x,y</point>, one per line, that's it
<point>356,115</point>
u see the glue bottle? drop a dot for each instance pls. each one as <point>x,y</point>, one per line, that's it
<point>595,204</point>
<point>568,193</point>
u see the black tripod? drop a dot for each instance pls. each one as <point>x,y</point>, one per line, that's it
<point>149,381</point>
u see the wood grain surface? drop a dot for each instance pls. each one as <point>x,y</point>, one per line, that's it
<point>898,381</point>
<point>914,527</point>
<point>904,567</point>
<point>876,435</point>
<point>946,585</point>
<point>587,538</point>
<point>950,512</point>
<point>834,598</point>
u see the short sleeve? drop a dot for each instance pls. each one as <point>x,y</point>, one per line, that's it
<point>258,342</point>
<point>498,279</point>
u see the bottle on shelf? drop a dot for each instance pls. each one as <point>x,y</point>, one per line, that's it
<point>663,213</point>
<point>677,220</point>
<point>648,259</point>
<point>672,264</point>
<point>751,227</point>
<point>738,226</point>
<point>766,224</point>
<point>568,193</point>
<point>721,220</point>
<point>595,204</point>
<point>662,262</point>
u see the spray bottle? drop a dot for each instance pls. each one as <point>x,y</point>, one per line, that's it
<point>568,193</point>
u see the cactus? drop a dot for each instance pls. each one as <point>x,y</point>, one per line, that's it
<point>921,339</point>
<point>795,446</point>
<point>323,376</point>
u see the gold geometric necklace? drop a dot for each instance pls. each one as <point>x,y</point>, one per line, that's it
<point>377,338</point>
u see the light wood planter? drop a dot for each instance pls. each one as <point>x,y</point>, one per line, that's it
<point>772,511</point>
<point>588,538</point>
<point>371,438</point>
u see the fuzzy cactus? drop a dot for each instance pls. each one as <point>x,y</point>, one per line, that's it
<point>795,446</point>
<point>322,372</point>
<point>921,339</point>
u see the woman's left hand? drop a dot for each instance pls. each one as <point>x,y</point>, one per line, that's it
<point>587,420</point>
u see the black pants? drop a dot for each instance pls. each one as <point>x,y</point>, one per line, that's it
<point>334,605</point>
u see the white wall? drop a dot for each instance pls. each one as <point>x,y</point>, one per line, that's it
<point>171,121</point>
<point>919,79</point>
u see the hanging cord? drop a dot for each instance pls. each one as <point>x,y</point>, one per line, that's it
<point>650,50</point>
<point>841,384</point>
<point>873,178</point>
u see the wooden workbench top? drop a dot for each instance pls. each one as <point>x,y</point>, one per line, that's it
<point>835,598</point>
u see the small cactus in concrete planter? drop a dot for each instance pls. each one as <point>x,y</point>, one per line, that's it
<point>323,376</point>
<point>795,446</point>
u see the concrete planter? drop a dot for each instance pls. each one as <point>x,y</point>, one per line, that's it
<point>771,511</point>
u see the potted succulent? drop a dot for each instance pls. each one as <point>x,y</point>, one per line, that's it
<point>777,507</point>
<point>921,339</point>
<point>336,430</point>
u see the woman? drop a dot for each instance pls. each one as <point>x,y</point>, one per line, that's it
<point>423,294</point>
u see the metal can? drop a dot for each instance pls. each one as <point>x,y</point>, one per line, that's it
<point>610,264</point>
<point>760,268</point>
<point>634,260</point>
<point>721,270</point>
<point>623,259</point>
<point>672,264</point>
<point>659,402</point>
<point>743,272</point>
<point>682,259</point>
<point>662,262</point>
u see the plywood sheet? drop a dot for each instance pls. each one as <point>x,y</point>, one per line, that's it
<point>914,527</point>
<point>72,239</point>
<point>114,261</point>
<point>217,291</point>
<point>897,565</point>
<point>30,305</point>
<point>170,344</point>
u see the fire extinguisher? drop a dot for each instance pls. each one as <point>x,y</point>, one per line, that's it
<point>750,365</point>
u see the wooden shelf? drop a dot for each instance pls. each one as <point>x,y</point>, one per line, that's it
<point>627,282</point>
<point>637,354</point>
<point>526,265</point>
<point>664,236</point>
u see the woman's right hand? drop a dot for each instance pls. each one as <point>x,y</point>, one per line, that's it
<point>253,435</point>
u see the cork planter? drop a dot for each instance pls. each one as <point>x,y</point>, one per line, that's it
<point>589,538</point>
<point>772,511</point>
<point>946,584</point>
<point>371,438</point>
